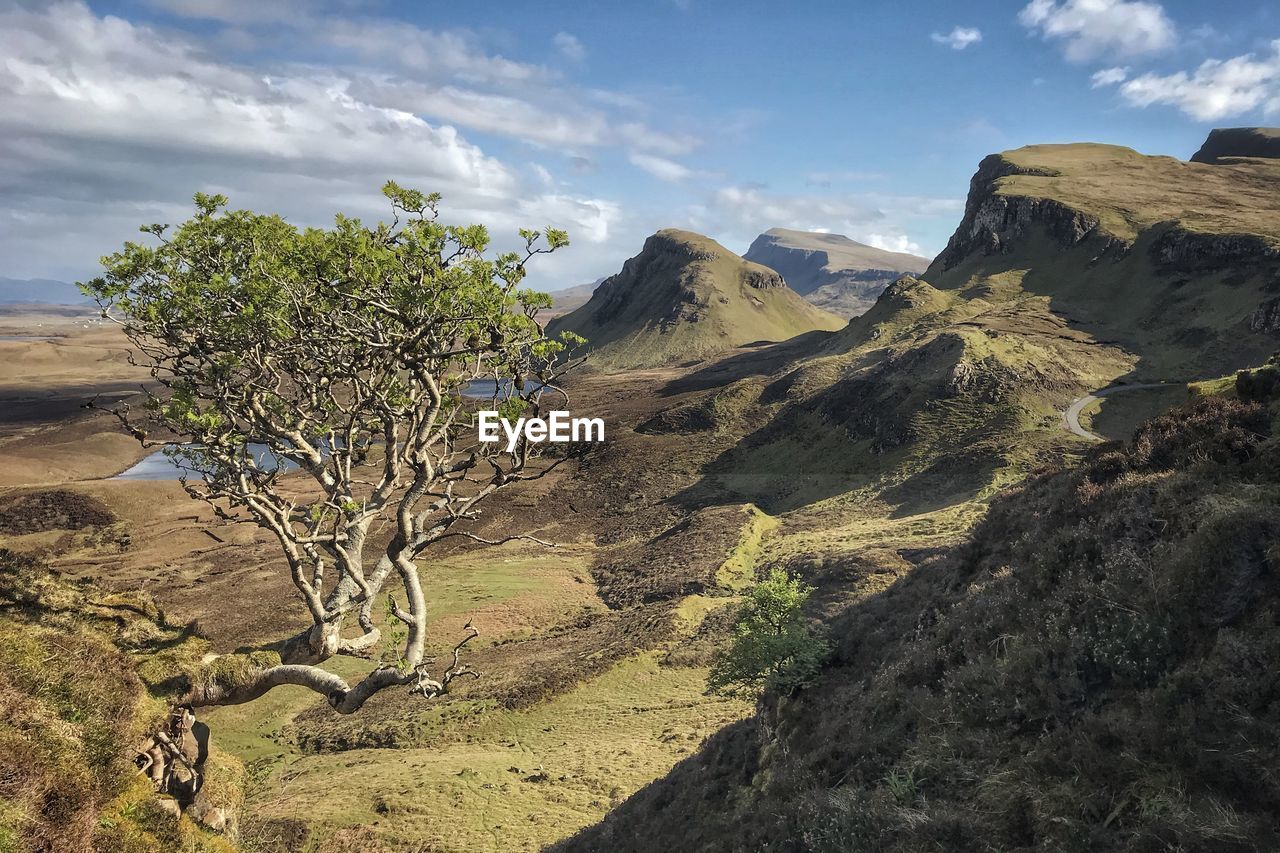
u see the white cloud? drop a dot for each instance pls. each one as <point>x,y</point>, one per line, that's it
<point>234,11</point>
<point>738,213</point>
<point>1217,89</point>
<point>71,77</point>
<point>490,112</point>
<point>569,46</point>
<point>1108,77</point>
<point>959,38</point>
<point>1098,28</point>
<point>893,243</point>
<point>592,218</point>
<point>643,137</point>
<point>660,167</point>
<point>427,52</point>
<point>105,124</point>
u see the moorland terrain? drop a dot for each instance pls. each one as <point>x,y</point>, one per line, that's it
<point>1039,640</point>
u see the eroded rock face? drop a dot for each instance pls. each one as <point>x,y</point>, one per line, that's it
<point>762,280</point>
<point>186,779</point>
<point>906,292</point>
<point>1267,318</point>
<point>1188,251</point>
<point>992,221</point>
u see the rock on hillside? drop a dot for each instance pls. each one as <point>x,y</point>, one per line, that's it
<point>683,298</point>
<point>830,270</point>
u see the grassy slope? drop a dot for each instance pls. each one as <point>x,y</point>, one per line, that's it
<point>74,709</point>
<point>1086,673</point>
<point>1184,318</point>
<point>1129,192</point>
<point>928,401</point>
<point>504,779</point>
<point>686,297</point>
<point>491,767</point>
<point>890,441</point>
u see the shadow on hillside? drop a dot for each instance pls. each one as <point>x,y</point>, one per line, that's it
<point>59,403</point>
<point>856,434</point>
<point>1091,596</point>
<point>760,358</point>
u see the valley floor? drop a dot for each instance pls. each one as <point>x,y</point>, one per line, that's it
<point>594,654</point>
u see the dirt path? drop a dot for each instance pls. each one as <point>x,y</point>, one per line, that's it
<point>1071,417</point>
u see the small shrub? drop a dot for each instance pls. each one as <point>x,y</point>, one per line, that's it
<point>774,647</point>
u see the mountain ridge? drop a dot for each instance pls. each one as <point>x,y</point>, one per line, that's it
<point>1070,661</point>
<point>685,297</point>
<point>830,270</point>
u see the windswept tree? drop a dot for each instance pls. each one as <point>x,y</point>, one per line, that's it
<point>311,381</point>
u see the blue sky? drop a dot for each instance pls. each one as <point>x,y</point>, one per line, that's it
<point>610,119</point>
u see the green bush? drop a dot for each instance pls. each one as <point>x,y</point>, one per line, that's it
<point>774,647</point>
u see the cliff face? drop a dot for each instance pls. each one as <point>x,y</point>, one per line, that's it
<point>1189,251</point>
<point>994,221</point>
<point>1174,261</point>
<point>1228,142</point>
<point>685,297</point>
<point>830,270</point>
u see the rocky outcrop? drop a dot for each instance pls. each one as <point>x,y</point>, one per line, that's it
<point>1226,143</point>
<point>762,279</point>
<point>907,292</point>
<point>662,255</point>
<point>993,221</point>
<point>1267,318</point>
<point>1190,251</point>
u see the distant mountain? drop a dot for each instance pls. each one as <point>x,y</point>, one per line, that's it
<point>571,298</point>
<point>830,270</point>
<point>685,297</point>
<point>40,291</point>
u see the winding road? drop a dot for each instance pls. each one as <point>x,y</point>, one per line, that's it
<point>1071,417</point>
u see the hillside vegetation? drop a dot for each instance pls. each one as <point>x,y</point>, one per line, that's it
<point>1176,262</point>
<point>683,298</point>
<point>1089,671</point>
<point>84,677</point>
<point>1075,267</point>
<point>1086,668</point>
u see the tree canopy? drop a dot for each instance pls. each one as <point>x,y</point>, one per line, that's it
<point>341,354</point>
<point>773,646</point>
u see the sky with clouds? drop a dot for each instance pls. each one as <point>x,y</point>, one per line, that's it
<point>608,119</point>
